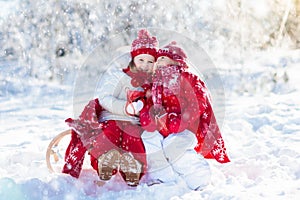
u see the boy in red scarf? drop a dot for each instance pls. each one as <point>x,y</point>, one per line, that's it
<point>179,123</point>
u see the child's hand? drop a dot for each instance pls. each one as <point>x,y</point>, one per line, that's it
<point>161,124</point>
<point>134,108</point>
<point>133,95</point>
<point>158,109</point>
<point>148,94</point>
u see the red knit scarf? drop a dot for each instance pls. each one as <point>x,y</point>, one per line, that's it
<point>166,81</point>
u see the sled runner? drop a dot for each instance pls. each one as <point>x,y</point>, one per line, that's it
<point>56,151</point>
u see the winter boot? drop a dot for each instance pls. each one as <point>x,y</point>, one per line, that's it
<point>130,169</point>
<point>108,164</point>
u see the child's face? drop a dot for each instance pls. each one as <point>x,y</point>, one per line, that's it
<point>144,62</point>
<point>164,60</point>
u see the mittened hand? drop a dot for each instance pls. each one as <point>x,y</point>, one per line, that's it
<point>134,108</point>
<point>133,95</point>
<point>158,109</point>
<point>161,124</point>
<point>173,122</point>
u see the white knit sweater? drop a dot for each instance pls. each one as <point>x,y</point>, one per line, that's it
<point>112,95</point>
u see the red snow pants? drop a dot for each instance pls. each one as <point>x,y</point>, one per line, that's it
<point>120,135</point>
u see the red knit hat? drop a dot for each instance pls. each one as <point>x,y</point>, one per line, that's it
<point>174,52</point>
<point>144,44</point>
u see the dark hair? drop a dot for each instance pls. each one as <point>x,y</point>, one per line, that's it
<point>132,66</point>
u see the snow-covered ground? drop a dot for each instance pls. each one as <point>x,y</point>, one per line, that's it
<point>260,126</point>
<point>261,129</point>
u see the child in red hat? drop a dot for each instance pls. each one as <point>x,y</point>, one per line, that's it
<point>180,123</point>
<point>108,126</point>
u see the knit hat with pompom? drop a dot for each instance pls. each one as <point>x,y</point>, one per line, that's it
<point>174,52</point>
<point>144,44</point>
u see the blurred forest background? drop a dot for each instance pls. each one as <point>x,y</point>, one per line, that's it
<point>50,38</point>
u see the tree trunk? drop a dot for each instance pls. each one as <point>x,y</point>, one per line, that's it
<point>297,6</point>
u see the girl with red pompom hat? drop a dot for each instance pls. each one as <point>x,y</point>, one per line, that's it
<point>108,126</point>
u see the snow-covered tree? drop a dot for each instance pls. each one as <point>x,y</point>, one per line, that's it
<point>52,37</point>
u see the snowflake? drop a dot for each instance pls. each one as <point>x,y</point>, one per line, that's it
<point>219,149</point>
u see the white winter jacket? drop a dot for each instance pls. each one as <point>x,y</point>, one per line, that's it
<point>112,95</point>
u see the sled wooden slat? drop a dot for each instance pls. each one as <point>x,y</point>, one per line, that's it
<point>54,143</point>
